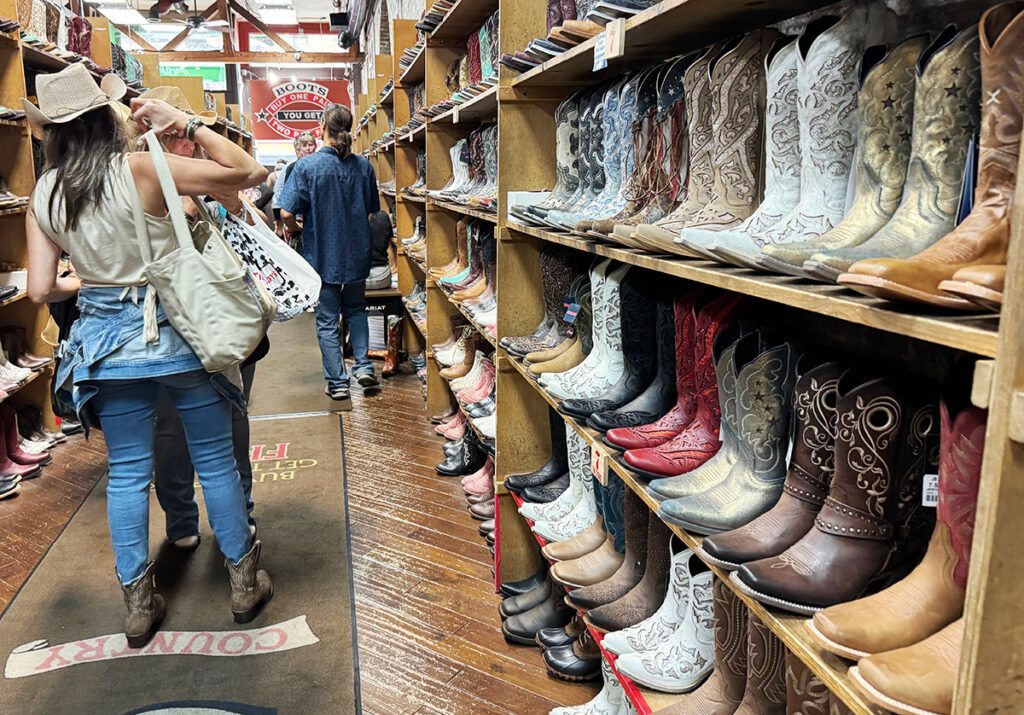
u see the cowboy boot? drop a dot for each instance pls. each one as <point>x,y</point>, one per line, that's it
<point>251,587</point>
<point>556,271</point>
<point>698,442</point>
<point>733,350</point>
<point>575,662</point>
<point>522,628</point>
<point>765,692</point>
<point>15,344</point>
<point>556,466</point>
<point>807,480</point>
<point>585,150</point>
<point>610,701</point>
<point>805,694</point>
<point>145,608</point>
<point>554,14</point>
<point>764,398</point>
<point>632,570</point>
<point>590,567</point>
<point>739,134</point>
<point>853,538</point>
<point>945,116</point>
<point>12,440</point>
<point>580,490</point>
<point>463,366</point>
<point>683,661</point>
<point>828,64</point>
<point>916,679</point>
<point>982,237</point>
<point>782,151</point>
<point>932,596</point>
<point>660,395</point>
<point>638,356</point>
<point>659,237</point>
<point>550,637</point>
<point>722,692</point>
<point>885,109</point>
<point>567,168</point>
<point>643,600</point>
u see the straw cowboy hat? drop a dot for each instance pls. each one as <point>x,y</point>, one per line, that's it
<point>176,98</point>
<point>69,94</point>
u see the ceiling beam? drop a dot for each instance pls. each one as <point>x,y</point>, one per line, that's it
<point>258,24</point>
<point>135,37</point>
<point>208,13</point>
<point>258,57</point>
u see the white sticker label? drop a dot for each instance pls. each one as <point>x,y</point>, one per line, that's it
<point>599,466</point>
<point>455,115</point>
<point>615,40</point>
<point>930,490</point>
<point>408,137</point>
<point>600,52</point>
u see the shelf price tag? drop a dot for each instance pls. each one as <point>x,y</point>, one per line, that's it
<point>571,313</point>
<point>599,466</point>
<point>930,490</point>
<point>615,38</point>
<point>600,52</point>
<point>455,115</point>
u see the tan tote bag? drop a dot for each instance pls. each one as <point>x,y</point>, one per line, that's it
<point>210,298</point>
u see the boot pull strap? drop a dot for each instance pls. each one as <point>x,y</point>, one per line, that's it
<point>843,520</point>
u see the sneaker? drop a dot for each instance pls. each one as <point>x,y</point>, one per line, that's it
<point>337,393</point>
<point>367,380</point>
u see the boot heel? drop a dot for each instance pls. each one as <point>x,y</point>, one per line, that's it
<point>250,613</point>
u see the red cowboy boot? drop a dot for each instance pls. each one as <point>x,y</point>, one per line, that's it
<point>12,444</point>
<point>698,441</point>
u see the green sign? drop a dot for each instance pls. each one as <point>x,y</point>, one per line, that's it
<point>214,75</point>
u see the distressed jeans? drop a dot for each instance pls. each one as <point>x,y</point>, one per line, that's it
<point>127,414</point>
<point>346,301</point>
<point>173,471</point>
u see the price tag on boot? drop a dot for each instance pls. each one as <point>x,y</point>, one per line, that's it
<point>599,466</point>
<point>930,490</point>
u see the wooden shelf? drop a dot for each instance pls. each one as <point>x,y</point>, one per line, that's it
<point>413,199</point>
<point>383,293</point>
<point>413,137</point>
<point>468,316</point>
<point>388,98</point>
<point>418,264</point>
<point>976,334</point>
<point>466,211</point>
<point>13,125</point>
<point>465,17</point>
<point>789,628</point>
<point>480,108</point>
<point>15,211</point>
<point>669,28</point>
<point>416,71</point>
<point>14,298</point>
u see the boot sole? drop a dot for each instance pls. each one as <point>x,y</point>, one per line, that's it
<point>691,527</point>
<point>772,600</point>
<point>831,646</point>
<point>248,615</point>
<point>142,640</point>
<point>889,290</point>
<point>776,266</point>
<point>517,640</point>
<point>727,565</point>
<point>882,699</point>
<point>980,295</point>
<point>573,678</point>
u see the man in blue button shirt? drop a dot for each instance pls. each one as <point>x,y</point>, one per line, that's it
<point>335,192</point>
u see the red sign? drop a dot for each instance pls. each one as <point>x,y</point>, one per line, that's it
<point>286,110</point>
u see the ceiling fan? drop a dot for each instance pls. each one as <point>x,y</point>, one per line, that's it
<point>177,12</point>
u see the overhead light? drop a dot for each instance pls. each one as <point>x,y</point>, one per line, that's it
<point>121,13</point>
<point>279,16</point>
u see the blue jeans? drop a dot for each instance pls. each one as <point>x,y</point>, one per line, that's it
<point>173,471</point>
<point>349,302</point>
<point>127,412</point>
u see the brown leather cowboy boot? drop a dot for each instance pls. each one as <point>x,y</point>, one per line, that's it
<point>981,284</point>
<point>982,237</point>
<point>765,693</point>
<point>145,608</point>
<point>805,693</point>
<point>251,587</point>
<point>932,596</point>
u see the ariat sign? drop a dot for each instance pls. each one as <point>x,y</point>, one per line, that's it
<point>40,657</point>
<point>286,110</point>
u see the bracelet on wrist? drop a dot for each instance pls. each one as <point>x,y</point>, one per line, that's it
<point>192,127</point>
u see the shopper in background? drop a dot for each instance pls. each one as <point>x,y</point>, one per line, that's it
<point>305,145</point>
<point>118,354</point>
<point>335,191</point>
<point>174,473</point>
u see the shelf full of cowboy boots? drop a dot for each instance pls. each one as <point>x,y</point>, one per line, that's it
<point>466,211</point>
<point>474,173</point>
<point>469,281</point>
<point>464,17</point>
<point>480,108</point>
<point>414,70</point>
<point>660,30</point>
<point>468,369</point>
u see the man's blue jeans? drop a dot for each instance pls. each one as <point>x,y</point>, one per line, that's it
<point>173,471</point>
<point>349,302</point>
<point>127,410</point>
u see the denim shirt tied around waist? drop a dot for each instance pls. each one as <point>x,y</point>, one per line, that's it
<point>107,342</point>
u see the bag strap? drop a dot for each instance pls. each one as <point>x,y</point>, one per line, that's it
<point>170,191</point>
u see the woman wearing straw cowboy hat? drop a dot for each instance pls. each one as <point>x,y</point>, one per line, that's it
<point>172,469</point>
<point>82,204</point>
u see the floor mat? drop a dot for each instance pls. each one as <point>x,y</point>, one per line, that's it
<point>60,639</point>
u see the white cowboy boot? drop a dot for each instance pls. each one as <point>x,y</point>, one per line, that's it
<point>584,512</point>
<point>579,467</point>
<point>607,702</point>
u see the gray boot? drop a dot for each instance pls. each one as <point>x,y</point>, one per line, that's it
<point>250,587</point>
<point>145,608</point>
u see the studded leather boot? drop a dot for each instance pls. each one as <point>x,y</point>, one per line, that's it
<point>636,516</point>
<point>722,692</point>
<point>885,108</point>
<point>807,480</point>
<point>660,236</point>
<point>145,608</point>
<point>698,441</point>
<point>764,398</point>
<point>853,538</point>
<point>943,125</point>
<point>782,152</point>
<point>637,349</point>
<point>982,237</point>
<point>828,56</point>
<point>932,596</point>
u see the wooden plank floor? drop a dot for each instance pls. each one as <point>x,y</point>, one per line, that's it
<point>425,604</point>
<point>426,610</point>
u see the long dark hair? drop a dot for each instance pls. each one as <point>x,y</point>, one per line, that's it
<point>338,126</point>
<point>80,152</point>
